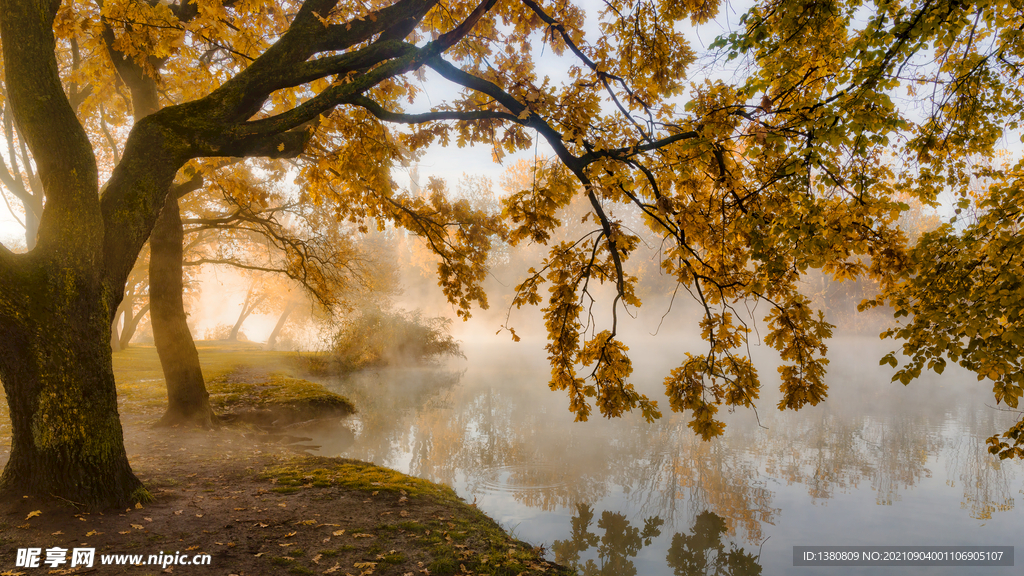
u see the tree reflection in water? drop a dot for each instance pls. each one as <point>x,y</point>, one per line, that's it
<point>494,434</point>
<point>701,552</point>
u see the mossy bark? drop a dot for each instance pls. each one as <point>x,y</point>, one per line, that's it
<point>59,382</point>
<point>188,401</point>
<point>57,302</point>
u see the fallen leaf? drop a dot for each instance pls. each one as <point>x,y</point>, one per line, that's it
<point>125,532</point>
<point>338,532</point>
<point>57,533</point>
<point>33,514</point>
<point>316,559</point>
<point>199,515</point>
<point>138,526</point>
<point>92,533</point>
<point>290,534</point>
<point>362,535</point>
<point>178,512</point>
<point>332,569</point>
<point>138,505</point>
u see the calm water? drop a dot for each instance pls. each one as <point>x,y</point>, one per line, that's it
<point>876,464</point>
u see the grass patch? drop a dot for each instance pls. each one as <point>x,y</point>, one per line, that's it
<point>461,536</point>
<point>355,475</point>
<point>276,392</point>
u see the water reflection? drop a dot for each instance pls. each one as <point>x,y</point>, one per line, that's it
<point>496,434</point>
<point>702,552</point>
<point>620,542</point>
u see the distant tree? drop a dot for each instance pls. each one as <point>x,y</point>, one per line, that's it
<point>292,302</point>
<point>134,306</point>
<point>748,183</point>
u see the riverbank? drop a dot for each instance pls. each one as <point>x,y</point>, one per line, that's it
<point>250,501</point>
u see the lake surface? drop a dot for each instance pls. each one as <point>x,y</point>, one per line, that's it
<point>875,464</point>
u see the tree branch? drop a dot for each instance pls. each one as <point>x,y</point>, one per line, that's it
<point>59,144</point>
<point>400,118</point>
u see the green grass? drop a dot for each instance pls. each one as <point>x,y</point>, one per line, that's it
<point>467,537</point>
<point>354,475</point>
<point>238,375</point>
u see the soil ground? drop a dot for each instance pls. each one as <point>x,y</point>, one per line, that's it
<point>256,505</point>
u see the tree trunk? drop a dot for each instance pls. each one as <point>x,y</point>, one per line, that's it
<point>248,306</point>
<point>115,340</point>
<point>288,308</point>
<point>233,335</point>
<point>188,402</point>
<point>57,373</point>
<point>131,324</point>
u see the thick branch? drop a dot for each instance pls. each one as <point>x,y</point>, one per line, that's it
<point>45,119</point>
<point>400,118</point>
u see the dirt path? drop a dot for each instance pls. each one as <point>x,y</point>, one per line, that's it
<point>260,508</point>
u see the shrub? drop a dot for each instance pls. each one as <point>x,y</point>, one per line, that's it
<point>374,337</point>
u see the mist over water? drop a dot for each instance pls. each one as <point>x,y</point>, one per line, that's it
<point>875,464</point>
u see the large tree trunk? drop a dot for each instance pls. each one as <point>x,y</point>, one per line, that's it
<point>188,402</point>
<point>56,369</point>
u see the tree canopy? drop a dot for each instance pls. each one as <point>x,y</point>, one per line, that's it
<point>802,160</point>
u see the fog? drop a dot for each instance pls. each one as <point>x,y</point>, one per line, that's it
<point>876,463</point>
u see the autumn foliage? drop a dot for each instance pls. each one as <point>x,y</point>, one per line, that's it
<point>748,182</point>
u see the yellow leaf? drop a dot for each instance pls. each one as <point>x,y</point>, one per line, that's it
<point>33,514</point>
